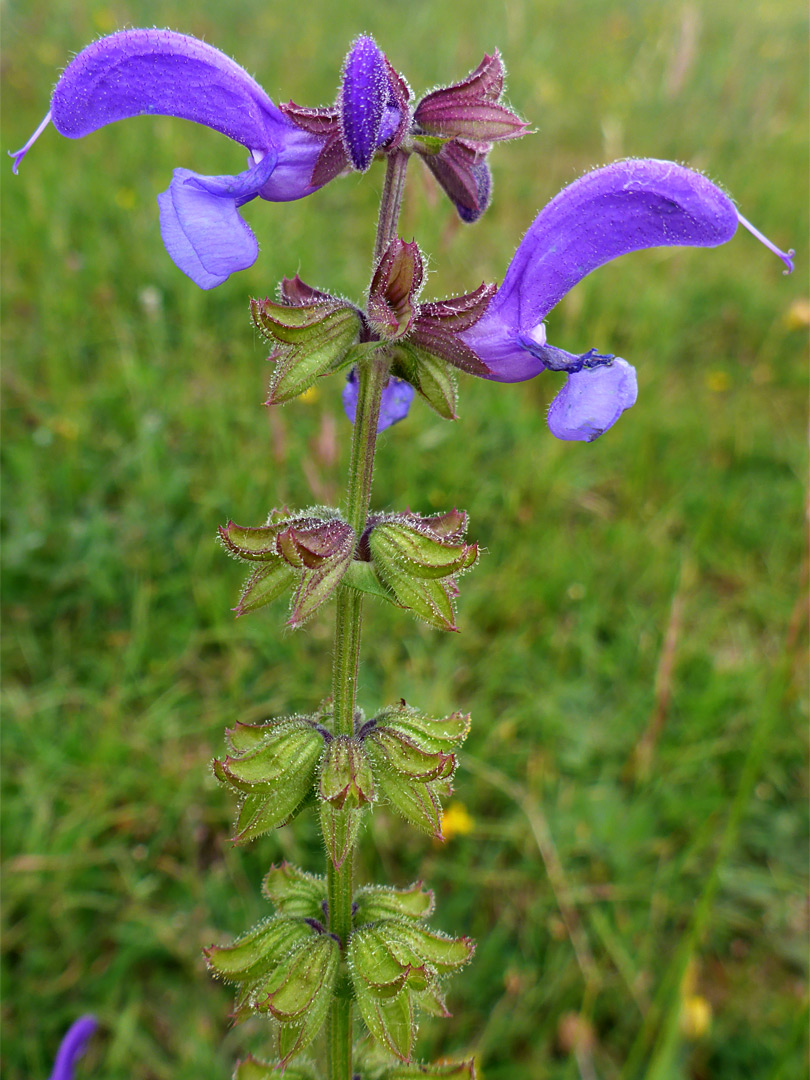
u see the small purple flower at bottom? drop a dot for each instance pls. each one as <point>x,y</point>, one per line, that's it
<point>72,1047</point>
<point>396,399</point>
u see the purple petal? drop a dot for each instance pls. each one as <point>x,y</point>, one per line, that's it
<point>161,72</point>
<point>292,176</point>
<point>396,400</point>
<point>496,342</point>
<point>592,400</point>
<point>363,99</point>
<point>606,213</point>
<point>624,207</point>
<point>72,1047</point>
<point>201,226</point>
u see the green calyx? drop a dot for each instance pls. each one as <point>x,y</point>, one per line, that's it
<point>413,758</point>
<point>285,765</point>
<point>410,560</point>
<point>252,1069</point>
<point>396,967</point>
<point>309,340</point>
<point>273,767</point>
<point>375,902</point>
<point>415,562</point>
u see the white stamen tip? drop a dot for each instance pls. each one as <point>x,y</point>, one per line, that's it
<point>785,256</point>
<point>18,155</point>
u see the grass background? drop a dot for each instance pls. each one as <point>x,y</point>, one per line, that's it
<point>632,646</point>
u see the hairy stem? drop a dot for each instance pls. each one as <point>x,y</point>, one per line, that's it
<point>372,377</point>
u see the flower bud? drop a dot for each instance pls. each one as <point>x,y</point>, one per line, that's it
<point>369,116</point>
<point>395,286</point>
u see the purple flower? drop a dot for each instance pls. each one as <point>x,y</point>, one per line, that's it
<point>72,1047</point>
<point>168,74</point>
<point>396,400</point>
<point>624,207</point>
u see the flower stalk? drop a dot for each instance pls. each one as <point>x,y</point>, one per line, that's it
<point>372,377</point>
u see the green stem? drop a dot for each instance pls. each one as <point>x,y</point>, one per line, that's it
<point>372,377</point>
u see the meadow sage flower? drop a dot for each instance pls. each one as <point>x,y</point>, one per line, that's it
<point>159,72</point>
<point>72,1047</point>
<point>624,207</point>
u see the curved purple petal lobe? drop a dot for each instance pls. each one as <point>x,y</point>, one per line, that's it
<point>160,72</point>
<point>363,99</point>
<point>610,212</point>
<point>592,400</point>
<point>201,226</point>
<point>72,1047</point>
<point>624,207</point>
<point>396,400</point>
<point>292,177</point>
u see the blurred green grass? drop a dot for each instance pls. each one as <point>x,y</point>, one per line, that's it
<point>633,642</point>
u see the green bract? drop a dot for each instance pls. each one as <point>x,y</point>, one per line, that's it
<point>309,340</point>
<point>275,773</point>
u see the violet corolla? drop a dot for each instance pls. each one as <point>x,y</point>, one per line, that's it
<point>72,1046</point>
<point>159,72</point>
<point>624,207</point>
